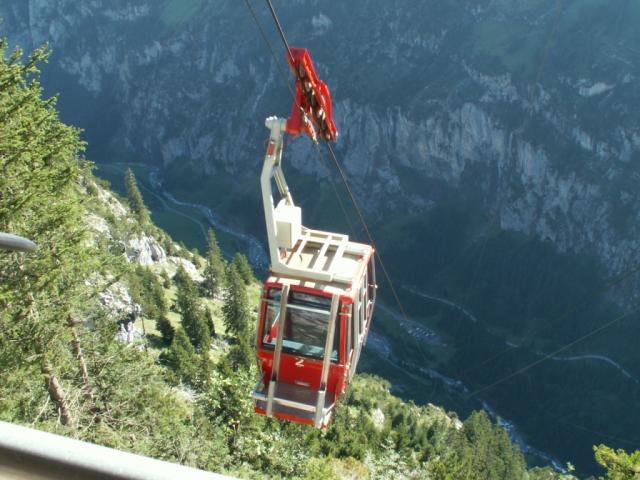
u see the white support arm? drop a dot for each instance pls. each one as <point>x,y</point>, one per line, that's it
<point>272,168</point>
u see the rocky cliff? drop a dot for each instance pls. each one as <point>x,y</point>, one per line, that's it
<point>525,107</point>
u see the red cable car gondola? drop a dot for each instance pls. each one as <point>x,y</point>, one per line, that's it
<point>318,300</point>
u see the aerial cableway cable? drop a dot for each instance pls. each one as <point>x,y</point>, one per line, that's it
<point>567,346</point>
<point>285,80</point>
<point>344,177</point>
<point>614,282</point>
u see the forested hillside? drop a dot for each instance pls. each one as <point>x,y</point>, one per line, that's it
<point>112,333</point>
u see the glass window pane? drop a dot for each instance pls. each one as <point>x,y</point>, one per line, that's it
<point>306,324</point>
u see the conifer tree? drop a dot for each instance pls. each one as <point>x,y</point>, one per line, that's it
<point>242,266</point>
<point>236,305</point>
<point>209,318</point>
<point>195,257</point>
<point>136,202</point>
<point>166,281</point>
<point>181,277</point>
<point>214,271</point>
<point>181,357</point>
<point>192,312</point>
<point>241,355</point>
<point>40,294</point>
<point>619,464</point>
<point>165,328</point>
<point>205,368</point>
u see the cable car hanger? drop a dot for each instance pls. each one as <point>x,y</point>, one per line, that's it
<point>318,299</point>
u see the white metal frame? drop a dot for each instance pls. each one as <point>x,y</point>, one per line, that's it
<point>322,241</point>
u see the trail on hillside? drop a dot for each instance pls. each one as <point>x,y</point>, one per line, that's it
<point>450,303</point>
<point>596,357</point>
<point>573,358</point>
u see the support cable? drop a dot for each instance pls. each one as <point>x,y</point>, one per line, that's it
<point>284,78</point>
<point>384,270</point>
<point>593,332</point>
<point>343,175</point>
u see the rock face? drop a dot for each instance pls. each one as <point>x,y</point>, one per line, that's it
<point>144,250</point>
<point>117,300</point>
<point>433,100</point>
<point>173,263</point>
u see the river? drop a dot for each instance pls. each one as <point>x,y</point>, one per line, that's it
<point>257,254</point>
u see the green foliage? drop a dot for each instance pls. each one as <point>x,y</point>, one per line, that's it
<point>165,328</point>
<point>619,464</point>
<point>40,294</point>
<point>136,202</point>
<point>242,266</point>
<point>494,456</point>
<point>192,311</point>
<point>181,277</point>
<point>166,280</point>
<point>145,289</point>
<point>181,357</point>
<point>214,271</point>
<point>208,316</point>
<point>236,306</point>
<point>227,403</point>
<point>241,353</point>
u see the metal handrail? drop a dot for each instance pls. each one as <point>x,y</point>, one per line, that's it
<point>14,243</point>
<point>29,454</point>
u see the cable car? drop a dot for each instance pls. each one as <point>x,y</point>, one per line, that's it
<point>318,300</point>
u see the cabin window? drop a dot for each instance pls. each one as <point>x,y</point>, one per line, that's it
<point>306,325</point>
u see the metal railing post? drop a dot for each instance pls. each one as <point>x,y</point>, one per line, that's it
<point>14,243</point>
<point>275,369</point>
<point>328,348</point>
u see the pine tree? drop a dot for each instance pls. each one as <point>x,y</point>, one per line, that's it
<point>214,271</point>
<point>136,202</point>
<point>205,368</point>
<point>619,464</point>
<point>42,293</point>
<point>146,290</point>
<point>166,281</point>
<point>195,257</point>
<point>192,312</point>
<point>242,266</point>
<point>241,355</point>
<point>181,357</point>
<point>165,328</point>
<point>235,308</point>
<point>181,277</point>
<point>209,318</point>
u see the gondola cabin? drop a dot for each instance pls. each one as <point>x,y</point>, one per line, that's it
<point>318,300</point>
<point>311,333</point>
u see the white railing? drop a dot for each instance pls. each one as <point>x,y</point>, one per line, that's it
<point>29,454</point>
